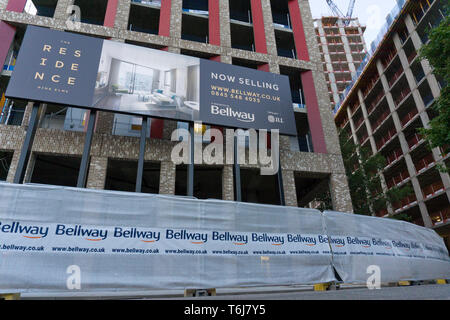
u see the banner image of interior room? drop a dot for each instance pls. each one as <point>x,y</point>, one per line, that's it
<point>149,82</point>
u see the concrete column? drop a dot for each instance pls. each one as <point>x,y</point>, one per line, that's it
<point>97,173</point>
<point>228,183</point>
<point>367,122</point>
<point>224,16</point>
<point>340,194</point>
<point>13,165</point>
<point>352,126</point>
<point>104,122</point>
<point>175,18</point>
<point>290,194</point>
<point>122,14</point>
<point>268,28</point>
<point>61,9</point>
<point>167,178</point>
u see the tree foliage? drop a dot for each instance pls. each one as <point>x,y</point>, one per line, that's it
<point>363,172</point>
<point>437,52</point>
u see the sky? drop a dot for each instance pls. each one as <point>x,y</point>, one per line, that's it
<point>371,13</point>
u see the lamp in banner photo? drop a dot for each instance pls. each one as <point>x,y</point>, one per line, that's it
<point>81,71</point>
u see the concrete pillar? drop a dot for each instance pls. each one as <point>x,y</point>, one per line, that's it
<point>97,173</point>
<point>227,183</point>
<point>167,178</point>
<point>290,194</point>
<point>224,16</point>
<point>268,28</point>
<point>122,14</point>
<point>61,9</point>
<point>175,18</point>
<point>340,194</point>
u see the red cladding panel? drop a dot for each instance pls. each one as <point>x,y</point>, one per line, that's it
<point>110,16</point>
<point>315,122</point>
<point>164,18</point>
<point>258,26</point>
<point>299,32</point>
<point>214,22</point>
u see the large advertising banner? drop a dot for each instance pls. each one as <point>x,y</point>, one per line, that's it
<point>129,241</point>
<point>76,70</point>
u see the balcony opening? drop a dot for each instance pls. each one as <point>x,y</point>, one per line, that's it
<point>145,44</point>
<point>295,82</point>
<point>426,94</point>
<point>393,154</point>
<point>303,141</point>
<point>242,37</point>
<point>154,3</point>
<point>313,190</point>
<point>63,118</point>
<point>121,176</point>
<point>56,170</point>
<point>12,111</point>
<point>439,210</point>
<point>246,63</point>
<point>197,54</point>
<point>285,44</point>
<point>43,8</point>
<point>431,184</point>
<point>195,27</point>
<point>207,181</point>
<point>410,213</point>
<point>407,112</point>
<point>5,163</point>
<point>418,72</point>
<point>196,5</point>
<point>92,12</point>
<point>240,10</point>
<point>379,116</point>
<point>280,13</point>
<point>394,72</point>
<point>126,125</point>
<point>410,51</point>
<point>422,159</point>
<point>257,188</point>
<point>400,92</point>
<point>144,18</point>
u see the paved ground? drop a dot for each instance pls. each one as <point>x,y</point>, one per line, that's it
<point>422,292</point>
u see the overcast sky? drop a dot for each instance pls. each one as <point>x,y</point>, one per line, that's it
<point>371,13</point>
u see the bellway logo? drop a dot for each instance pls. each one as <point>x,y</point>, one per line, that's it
<point>227,111</point>
<point>31,232</point>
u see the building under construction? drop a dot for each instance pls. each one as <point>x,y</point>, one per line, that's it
<point>341,43</point>
<point>389,102</point>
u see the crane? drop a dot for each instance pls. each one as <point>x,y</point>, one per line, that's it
<point>339,13</point>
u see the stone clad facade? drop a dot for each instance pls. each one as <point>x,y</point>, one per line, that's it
<point>106,146</point>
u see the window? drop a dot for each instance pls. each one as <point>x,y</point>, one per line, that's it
<point>257,188</point>
<point>207,181</point>
<point>45,8</point>
<point>144,19</point>
<point>92,11</point>
<point>121,176</point>
<point>56,170</point>
<point>5,163</point>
